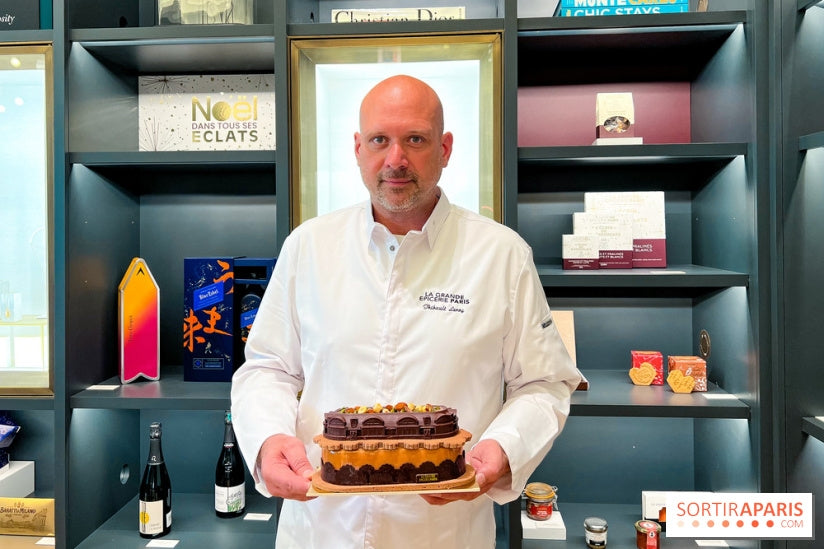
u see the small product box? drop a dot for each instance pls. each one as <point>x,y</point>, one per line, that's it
<point>614,232</point>
<point>649,228</point>
<point>579,251</point>
<point>552,528</point>
<point>654,506</point>
<point>19,14</point>
<point>251,277</point>
<point>138,314</point>
<point>654,359</point>
<point>693,366</point>
<point>200,12</point>
<point>208,318</point>
<point>17,479</point>
<point>614,115</point>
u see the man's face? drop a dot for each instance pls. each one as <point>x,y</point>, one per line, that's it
<point>401,150</point>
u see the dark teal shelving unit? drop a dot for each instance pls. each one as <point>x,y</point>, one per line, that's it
<point>113,202</point>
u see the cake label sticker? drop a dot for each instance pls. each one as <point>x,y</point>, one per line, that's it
<point>427,477</point>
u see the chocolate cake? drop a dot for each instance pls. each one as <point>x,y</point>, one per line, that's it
<point>394,445</point>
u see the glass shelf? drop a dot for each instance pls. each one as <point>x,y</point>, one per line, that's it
<point>611,393</point>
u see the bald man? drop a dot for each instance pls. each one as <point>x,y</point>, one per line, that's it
<point>346,321</point>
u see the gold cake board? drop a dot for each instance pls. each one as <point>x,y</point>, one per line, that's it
<point>464,483</point>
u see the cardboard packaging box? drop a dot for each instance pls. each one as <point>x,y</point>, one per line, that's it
<point>614,232</point>
<point>579,251</point>
<point>220,300</point>
<point>139,323</point>
<point>199,12</point>
<point>208,316</point>
<point>654,359</point>
<point>251,277</point>
<point>648,214</point>
<point>694,366</point>
<point>17,479</point>
<point>614,115</point>
<point>27,516</point>
<point>19,14</point>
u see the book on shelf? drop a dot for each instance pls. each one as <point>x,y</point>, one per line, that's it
<point>584,8</point>
<point>619,3</point>
<point>380,15</point>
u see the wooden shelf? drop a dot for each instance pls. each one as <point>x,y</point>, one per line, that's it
<point>611,393</point>
<point>674,276</point>
<point>170,392</point>
<point>193,523</point>
<point>811,141</point>
<point>813,426</point>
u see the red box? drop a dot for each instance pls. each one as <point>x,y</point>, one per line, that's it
<point>655,359</point>
<point>694,366</point>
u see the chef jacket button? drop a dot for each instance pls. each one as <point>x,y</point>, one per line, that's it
<point>392,248</point>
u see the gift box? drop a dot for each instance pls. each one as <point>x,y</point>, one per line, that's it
<point>693,366</point>
<point>654,359</point>
<point>205,12</point>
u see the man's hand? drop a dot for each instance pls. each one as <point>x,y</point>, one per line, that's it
<point>284,467</point>
<point>490,463</point>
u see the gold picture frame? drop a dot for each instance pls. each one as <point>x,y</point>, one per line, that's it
<point>26,102</point>
<point>330,76</point>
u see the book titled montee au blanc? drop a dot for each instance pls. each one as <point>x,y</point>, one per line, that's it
<point>584,8</point>
<point>380,15</point>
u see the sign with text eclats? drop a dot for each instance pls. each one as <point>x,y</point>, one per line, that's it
<point>207,112</point>
<point>19,14</point>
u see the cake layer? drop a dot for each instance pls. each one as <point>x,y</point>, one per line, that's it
<point>397,461</point>
<point>440,422</point>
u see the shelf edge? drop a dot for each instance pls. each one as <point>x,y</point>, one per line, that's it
<point>813,426</point>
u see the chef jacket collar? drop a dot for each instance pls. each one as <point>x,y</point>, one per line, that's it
<point>430,229</point>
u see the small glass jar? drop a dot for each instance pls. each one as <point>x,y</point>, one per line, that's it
<point>648,534</point>
<point>595,532</point>
<point>540,498</point>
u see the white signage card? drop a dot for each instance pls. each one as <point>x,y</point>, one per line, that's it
<point>234,112</point>
<point>740,515</point>
<point>368,15</point>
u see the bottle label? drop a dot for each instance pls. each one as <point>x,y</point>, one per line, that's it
<point>231,499</point>
<point>151,517</point>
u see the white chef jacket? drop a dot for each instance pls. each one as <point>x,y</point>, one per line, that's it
<point>453,314</point>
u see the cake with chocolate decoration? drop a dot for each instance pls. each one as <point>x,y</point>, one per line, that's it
<point>400,444</point>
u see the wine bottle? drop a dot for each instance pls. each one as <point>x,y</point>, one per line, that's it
<point>230,478</point>
<point>155,491</point>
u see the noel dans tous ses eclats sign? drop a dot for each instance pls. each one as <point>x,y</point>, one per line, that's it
<point>207,112</point>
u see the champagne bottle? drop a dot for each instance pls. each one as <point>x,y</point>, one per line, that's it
<point>230,478</point>
<point>155,491</point>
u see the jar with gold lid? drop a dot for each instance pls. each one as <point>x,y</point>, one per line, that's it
<point>647,534</point>
<point>540,499</point>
